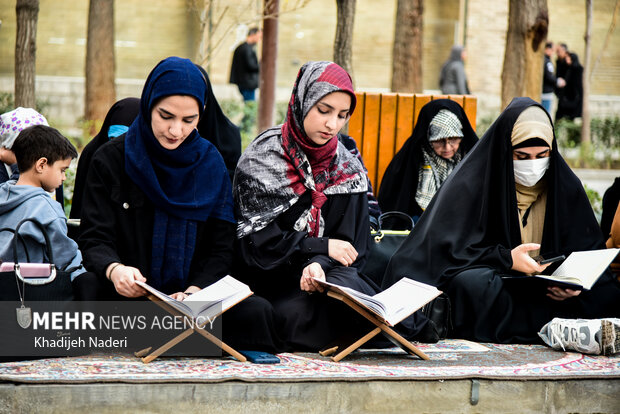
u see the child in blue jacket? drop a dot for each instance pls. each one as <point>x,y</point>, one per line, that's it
<point>43,155</point>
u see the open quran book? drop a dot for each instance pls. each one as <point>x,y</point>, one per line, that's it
<point>581,270</point>
<point>210,301</point>
<point>393,304</point>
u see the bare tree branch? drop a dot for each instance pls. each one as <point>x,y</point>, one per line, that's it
<point>201,7</point>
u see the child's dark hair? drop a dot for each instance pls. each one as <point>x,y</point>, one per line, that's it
<point>41,141</point>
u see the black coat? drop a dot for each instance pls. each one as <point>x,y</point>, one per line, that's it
<point>244,68</point>
<point>117,224</point>
<point>277,254</point>
<point>570,97</point>
<point>549,80</point>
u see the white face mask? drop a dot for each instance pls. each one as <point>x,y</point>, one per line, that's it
<point>529,172</point>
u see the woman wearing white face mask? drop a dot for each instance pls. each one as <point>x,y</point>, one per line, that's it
<point>511,198</point>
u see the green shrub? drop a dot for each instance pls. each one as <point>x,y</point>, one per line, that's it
<point>245,117</point>
<point>69,185</point>
<point>281,108</point>
<point>604,146</point>
<point>484,123</point>
<point>595,200</point>
<point>6,102</point>
<point>568,133</point>
<point>232,108</point>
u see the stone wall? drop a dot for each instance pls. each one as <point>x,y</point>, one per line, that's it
<point>145,33</point>
<point>148,31</point>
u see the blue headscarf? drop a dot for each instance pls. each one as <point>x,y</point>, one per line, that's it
<point>187,185</point>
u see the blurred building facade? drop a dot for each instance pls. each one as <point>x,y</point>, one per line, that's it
<point>146,32</point>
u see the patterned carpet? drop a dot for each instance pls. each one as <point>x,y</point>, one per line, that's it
<point>450,359</point>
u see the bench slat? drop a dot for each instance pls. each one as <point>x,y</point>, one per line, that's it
<point>370,135</point>
<point>418,103</point>
<point>356,124</point>
<point>456,98</point>
<point>387,133</point>
<point>470,104</point>
<point>404,120</point>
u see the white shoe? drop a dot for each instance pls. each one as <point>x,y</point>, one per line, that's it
<point>589,336</point>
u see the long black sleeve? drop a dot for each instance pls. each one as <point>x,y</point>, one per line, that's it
<point>213,254</point>
<point>280,249</point>
<point>99,221</point>
<point>273,247</point>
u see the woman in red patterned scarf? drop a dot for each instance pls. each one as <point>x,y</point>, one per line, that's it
<point>302,212</point>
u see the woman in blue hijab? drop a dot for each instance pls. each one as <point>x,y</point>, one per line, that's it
<point>167,219</point>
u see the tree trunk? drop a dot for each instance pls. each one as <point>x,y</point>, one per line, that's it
<point>268,69</point>
<point>26,52</point>
<point>343,44</point>
<point>528,21</point>
<point>585,115</point>
<point>407,51</point>
<point>100,88</point>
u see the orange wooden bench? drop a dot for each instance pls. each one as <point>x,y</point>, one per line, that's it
<point>382,122</point>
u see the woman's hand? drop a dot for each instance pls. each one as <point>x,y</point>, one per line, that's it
<point>307,282</point>
<point>522,262</point>
<point>559,294</point>
<point>341,251</point>
<point>183,295</point>
<point>124,278</point>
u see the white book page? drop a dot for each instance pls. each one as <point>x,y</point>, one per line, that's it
<point>223,288</point>
<point>585,267</point>
<point>395,303</point>
<point>227,291</point>
<point>180,306</point>
<point>359,297</point>
<point>404,297</point>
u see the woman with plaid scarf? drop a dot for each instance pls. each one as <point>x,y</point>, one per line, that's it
<point>302,213</point>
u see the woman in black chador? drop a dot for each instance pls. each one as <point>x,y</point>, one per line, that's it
<point>115,124</point>
<point>441,138</point>
<point>215,126</point>
<point>513,197</point>
<point>302,212</point>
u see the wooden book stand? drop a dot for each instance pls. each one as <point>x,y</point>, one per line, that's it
<point>148,357</point>
<point>381,326</point>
